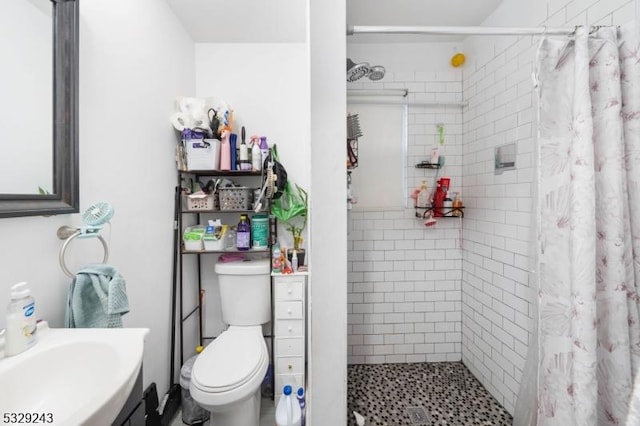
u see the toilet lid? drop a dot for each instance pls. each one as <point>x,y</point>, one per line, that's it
<point>230,360</point>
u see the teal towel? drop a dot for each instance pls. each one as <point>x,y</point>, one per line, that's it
<point>97,298</point>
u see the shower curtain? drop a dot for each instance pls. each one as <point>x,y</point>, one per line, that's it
<point>588,226</point>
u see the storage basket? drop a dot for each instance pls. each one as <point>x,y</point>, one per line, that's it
<point>235,198</point>
<point>199,203</point>
<point>202,154</point>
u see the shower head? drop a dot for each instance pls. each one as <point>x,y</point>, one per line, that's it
<point>356,71</point>
<point>376,73</point>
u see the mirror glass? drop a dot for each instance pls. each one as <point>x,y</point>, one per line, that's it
<point>26,48</point>
<point>38,107</point>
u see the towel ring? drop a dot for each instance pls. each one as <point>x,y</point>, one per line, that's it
<point>69,234</point>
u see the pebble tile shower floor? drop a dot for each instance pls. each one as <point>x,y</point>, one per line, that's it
<point>425,394</point>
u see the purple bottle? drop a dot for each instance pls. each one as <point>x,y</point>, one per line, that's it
<point>243,233</point>
<point>264,148</point>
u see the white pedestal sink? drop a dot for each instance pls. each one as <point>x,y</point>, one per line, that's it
<point>73,376</point>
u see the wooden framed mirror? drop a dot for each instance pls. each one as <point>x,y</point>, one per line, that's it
<point>61,195</point>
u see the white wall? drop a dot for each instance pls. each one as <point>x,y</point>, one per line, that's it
<point>135,57</point>
<point>263,84</point>
<point>327,402</point>
<point>498,236</point>
<point>404,299</point>
<point>405,57</point>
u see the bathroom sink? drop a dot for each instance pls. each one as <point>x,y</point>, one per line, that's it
<point>72,376</point>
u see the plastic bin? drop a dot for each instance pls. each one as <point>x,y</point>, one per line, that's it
<point>192,413</point>
<point>202,154</point>
<point>198,202</point>
<point>235,198</point>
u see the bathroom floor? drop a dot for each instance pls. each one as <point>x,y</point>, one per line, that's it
<point>426,394</point>
<point>267,415</point>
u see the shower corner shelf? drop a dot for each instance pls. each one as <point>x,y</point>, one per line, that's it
<point>427,165</point>
<point>446,212</point>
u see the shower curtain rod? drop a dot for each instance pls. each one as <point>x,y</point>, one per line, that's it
<point>393,96</point>
<point>378,92</point>
<point>489,31</point>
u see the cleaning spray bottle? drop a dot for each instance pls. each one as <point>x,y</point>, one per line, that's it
<point>256,154</point>
<point>264,147</point>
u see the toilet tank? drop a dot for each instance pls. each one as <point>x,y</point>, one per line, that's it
<point>245,291</point>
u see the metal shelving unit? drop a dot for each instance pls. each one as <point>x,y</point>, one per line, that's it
<point>185,313</point>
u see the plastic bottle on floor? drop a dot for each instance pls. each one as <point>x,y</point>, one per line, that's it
<point>302,404</point>
<point>288,410</point>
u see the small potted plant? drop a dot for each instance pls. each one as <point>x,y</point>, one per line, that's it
<point>295,227</point>
<point>291,210</point>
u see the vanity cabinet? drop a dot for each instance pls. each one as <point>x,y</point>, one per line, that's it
<point>289,318</point>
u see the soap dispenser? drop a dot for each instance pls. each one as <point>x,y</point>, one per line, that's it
<point>21,321</point>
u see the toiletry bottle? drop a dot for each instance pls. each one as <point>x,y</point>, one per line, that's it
<point>233,151</point>
<point>435,156</point>
<point>294,260</point>
<point>422,201</point>
<point>276,262</point>
<point>225,151</point>
<point>230,239</point>
<point>302,403</point>
<point>457,204</point>
<point>447,207</point>
<point>21,321</point>
<point>256,156</point>
<point>243,233</point>
<point>264,148</point>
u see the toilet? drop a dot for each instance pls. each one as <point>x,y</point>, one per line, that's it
<point>227,375</point>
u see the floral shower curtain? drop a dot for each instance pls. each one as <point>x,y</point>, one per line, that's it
<point>588,226</point>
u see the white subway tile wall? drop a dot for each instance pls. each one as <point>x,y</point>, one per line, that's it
<point>404,284</point>
<point>497,313</point>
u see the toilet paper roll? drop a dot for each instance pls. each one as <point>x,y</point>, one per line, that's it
<point>181,121</point>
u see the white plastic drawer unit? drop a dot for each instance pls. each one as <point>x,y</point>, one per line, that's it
<point>289,310</point>
<point>290,328</point>
<point>289,350</point>
<point>289,347</point>
<point>290,365</point>
<point>294,380</point>
<point>289,288</point>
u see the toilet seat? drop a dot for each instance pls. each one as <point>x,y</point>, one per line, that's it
<point>232,366</point>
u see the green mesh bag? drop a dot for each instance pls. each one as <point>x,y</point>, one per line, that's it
<point>292,203</point>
